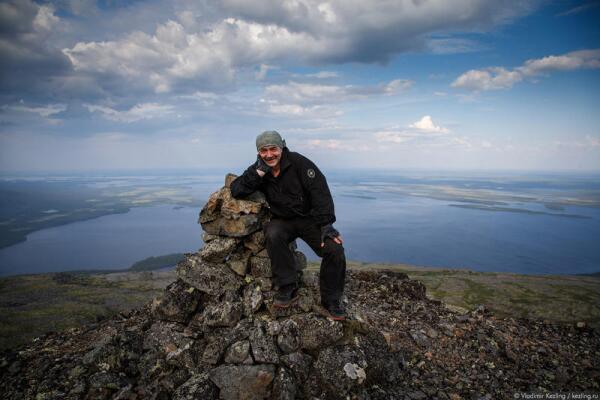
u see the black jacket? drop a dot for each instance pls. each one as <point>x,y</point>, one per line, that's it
<point>300,190</point>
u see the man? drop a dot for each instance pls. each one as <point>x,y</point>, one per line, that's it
<point>302,207</point>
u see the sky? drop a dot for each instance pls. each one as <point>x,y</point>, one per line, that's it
<point>408,84</point>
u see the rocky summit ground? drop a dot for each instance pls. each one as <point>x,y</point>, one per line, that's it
<point>214,333</point>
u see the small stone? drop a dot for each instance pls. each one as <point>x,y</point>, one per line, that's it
<point>284,387</point>
<point>222,314</point>
<point>216,250</point>
<point>213,279</point>
<point>199,386</point>
<point>288,339</point>
<point>263,347</point>
<point>260,267</point>
<point>253,299</point>
<point>255,242</point>
<point>238,353</point>
<point>317,332</point>
<point>341,369</point>
<point>273,328</point>
<point>239,262</point>
<point>265,284</point>
<point>248,382</point>
<point>353,371</point>
<point>432,333</point>
<point>177,303</point>
<point>207,237</point>
<point>299,363</point>
<point>228,179</point>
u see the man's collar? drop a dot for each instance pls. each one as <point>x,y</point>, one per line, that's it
<point>285,162</point>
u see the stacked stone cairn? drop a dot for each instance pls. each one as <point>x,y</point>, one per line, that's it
<point>235,343</point>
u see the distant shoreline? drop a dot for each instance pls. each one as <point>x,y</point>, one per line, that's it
<point>517,210</point>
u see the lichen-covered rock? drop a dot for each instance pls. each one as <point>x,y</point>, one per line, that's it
<point>199,386</point>
<point>239,353</point>
<point>264,349</point>
<point>316,331</point>
<point>250,382</point>
<point>165,337</point>
<point>284,386</point>
<point>223,314</point>
<point>261,267</point>
<point>220,339</point>
<point>240,227</point>
<point>223,215</point>
<point>207,237</point>
<point>288,339</point>
<point>299,363</point>
<point>239,262</point>
<point>177,303</point>
<point>228,179</point>
<point>218,249</point>
<point>265,284</point>
<point>255,242</point>
<point>253,299</point>
<point>341,369</point>
<point>214,279</point>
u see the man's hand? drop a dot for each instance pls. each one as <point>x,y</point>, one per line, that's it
<point>261,167</point>
<point>328,231</point>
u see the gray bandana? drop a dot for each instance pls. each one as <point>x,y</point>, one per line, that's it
<point>269,138</point>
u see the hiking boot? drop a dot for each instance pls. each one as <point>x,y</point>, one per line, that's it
<point>286,296</point>
<point>333,311</point>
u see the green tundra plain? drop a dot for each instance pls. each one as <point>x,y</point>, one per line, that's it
<point>31,305</point>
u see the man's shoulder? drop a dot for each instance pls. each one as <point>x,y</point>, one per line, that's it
<point>297,158</point>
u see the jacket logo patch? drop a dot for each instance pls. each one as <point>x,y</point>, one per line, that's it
<point>310,172</point>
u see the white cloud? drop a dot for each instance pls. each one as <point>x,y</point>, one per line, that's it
<point>426,124</point>
<point>245,35</point>
<point>310,93</point>
<point>570,61</point>
<point>495,78</point>
<point>296,110</point>
<point>323,75</point>
<point>587,142</point>
<point>45,20</point>
<point>135,113</point>
<point>350,145</point>
<point>487,79</point>
<point>44,111</point>
<point>423,131</point>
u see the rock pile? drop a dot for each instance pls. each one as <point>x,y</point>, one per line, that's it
<point>214,334</point>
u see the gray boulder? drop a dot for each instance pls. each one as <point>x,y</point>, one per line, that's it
<point>218,249</point>
<point>199,386</point>
<point>264,349</point>
<point>214,279</point>
<point>249,382</point>
<point>177,303</point>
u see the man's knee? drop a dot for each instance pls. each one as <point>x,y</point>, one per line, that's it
<point>333,250</point>
<point>274,232</point>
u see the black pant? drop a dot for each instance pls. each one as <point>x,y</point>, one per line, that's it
<point>279,233</point>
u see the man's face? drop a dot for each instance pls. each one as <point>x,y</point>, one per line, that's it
<point>271,155</point>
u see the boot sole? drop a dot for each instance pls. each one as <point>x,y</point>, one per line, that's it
<point>286,304</point>
<point>324,312</point>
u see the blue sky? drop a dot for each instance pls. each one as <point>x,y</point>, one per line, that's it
<point>467,84</point>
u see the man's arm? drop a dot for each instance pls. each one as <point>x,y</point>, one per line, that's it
<point>322,208</point>
<point>247,183</point>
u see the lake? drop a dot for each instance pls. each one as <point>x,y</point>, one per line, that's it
<point>531,226</point>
